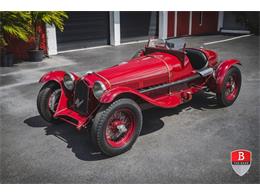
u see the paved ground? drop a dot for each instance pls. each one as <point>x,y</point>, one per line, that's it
<point>188,144</point>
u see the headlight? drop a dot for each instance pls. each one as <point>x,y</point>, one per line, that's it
<point>68,81</point>
<point>98,89</point>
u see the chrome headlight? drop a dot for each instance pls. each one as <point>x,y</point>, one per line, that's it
<point>98,89</point>
<point>68,81</point>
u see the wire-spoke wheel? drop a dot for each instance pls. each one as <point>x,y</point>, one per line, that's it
<point>117,126</point>
<point>230,87</point>
<point>120,127</point>
<point>47,101</point>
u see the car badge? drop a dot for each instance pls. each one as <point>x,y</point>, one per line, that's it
<point>78,102</point>
<point>241,161</point>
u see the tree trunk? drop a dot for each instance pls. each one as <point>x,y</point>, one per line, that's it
<point>37,38</point>
<point>37,41</point>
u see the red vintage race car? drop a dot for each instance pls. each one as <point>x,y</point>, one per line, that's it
<point>164,74</point>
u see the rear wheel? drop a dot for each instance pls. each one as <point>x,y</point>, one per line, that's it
<point>230,87</point>
<point>47,101</point>
<point>117,126</point>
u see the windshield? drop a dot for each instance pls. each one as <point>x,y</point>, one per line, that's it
<point>176,43</point>
<point>173,43</point>
<point>156,43</point>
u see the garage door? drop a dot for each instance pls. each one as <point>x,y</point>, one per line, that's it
<point>231,21</point>
<point>84,29</point>
<point>204,23</point>
<point>183,23</point>
<point>138,25</point>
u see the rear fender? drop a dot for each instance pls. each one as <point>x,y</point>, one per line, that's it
<point>222,70</point>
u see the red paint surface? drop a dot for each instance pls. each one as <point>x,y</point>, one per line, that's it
<point>171,16</point>
<point>138,73</point>
<point>55,76</point>
<point>19,48</point>
<point>128,74</point>
<point>209,23</point>
<point>212,56</point>
<point>183,23</point>
<point>241,155</point>
<point>222,70</point>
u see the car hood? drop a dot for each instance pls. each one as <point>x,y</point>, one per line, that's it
<point>137,73</point>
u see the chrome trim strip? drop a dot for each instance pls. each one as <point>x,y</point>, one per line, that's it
<point>205,71</point>
<point>196,76</point>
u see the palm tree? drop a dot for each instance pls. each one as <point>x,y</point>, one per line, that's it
<point>46,17</point>
<point>14,24</point>
<point>23,25</point>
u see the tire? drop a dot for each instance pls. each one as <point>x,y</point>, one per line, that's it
<point>43,102</point>
<point>105,131</point>
<point>229,92</point>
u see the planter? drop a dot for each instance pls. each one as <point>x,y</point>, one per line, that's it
<point>35,55</point>
<point>7,60</point>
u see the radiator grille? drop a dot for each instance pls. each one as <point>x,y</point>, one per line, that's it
<point>81,96</point>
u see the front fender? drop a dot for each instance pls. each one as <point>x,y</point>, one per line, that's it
<point>110,95</point>
<point>56,76</point>
<point>222,70</point>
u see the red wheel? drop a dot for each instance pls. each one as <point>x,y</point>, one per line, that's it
<point>117,126</point>
<point>47,101</point>
<point>230,87</point>
<point>120,128</point>
<point>54,100</point>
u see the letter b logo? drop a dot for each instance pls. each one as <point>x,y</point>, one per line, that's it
<point>241,156</point>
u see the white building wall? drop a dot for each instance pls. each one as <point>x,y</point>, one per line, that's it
<point>51,40</point>
<point>163,24</point>
<point>175,23</point>
<point>115,38</point>
<point>190,24</point>
<point>220,20</point>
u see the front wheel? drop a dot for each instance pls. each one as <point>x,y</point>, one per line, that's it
<point>117,126</point>
<point>230,87</point>
<point>47,101</point>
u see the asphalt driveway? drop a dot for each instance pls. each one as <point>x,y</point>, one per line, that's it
<point>188,144</point>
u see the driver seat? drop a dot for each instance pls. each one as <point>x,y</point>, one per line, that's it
<point>197,58</point>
